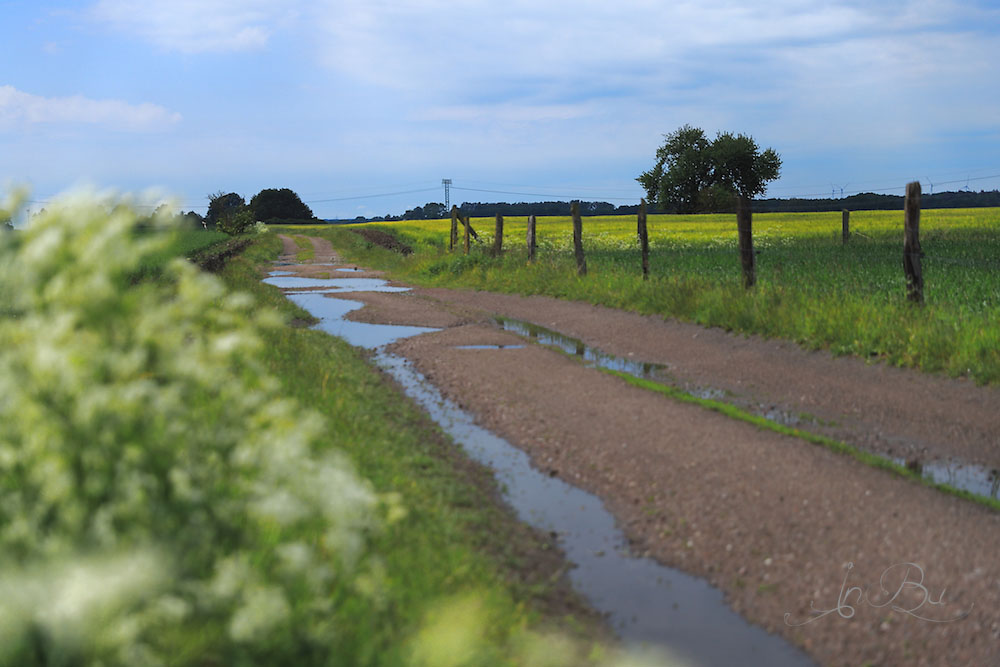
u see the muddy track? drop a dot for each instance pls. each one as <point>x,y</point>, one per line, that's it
<point>771,520</point>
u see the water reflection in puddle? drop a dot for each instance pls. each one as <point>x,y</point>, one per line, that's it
<point>648,604</point>
<point>973,478</point>
<point>332,319</point>
<point>573,346</point>
<point>710,394</point>
<point>339,284</point>
<point>332,313</point>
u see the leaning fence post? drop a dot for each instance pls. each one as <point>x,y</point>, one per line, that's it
<point>531,238</point>
<point>911,244</point>
<point>744,227</point>
<point>581,261</point>
<point>468,228</point>
<point>846,224</point>
<point>644,239</point>
<point>453,238</point>
<point>498,236</point>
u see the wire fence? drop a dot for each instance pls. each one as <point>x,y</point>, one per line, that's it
<point>963,262</point>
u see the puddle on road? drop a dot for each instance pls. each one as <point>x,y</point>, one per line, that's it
<point>332,312</point>
<point>710,394</point>
<point>332,319</point>
<point>576,347</point>
<point>338,284</point>
<point>969,477</point>
<point>648,604</point>
<point>353,270</point>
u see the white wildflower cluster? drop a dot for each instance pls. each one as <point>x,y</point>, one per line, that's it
<point>135,423</point>
<point>556,243</point>
<point>609,241</point>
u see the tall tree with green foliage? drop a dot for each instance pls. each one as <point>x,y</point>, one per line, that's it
<point>693,174</point>
<point>279,204</point>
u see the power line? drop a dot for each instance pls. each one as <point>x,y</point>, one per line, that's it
<point>536,194</point>
<point>384,194</point>
<point>966,181</point>
<point>544,187</point>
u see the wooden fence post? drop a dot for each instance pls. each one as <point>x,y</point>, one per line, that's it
<point>453,238</point>
<point>846,224</point>
<point>581,261</point>
<point>744,227</point>
<point>644,239</point>
<point>911,244</point>
<point>468,229</point>
<point>531,238</point>
<point>498,237</point>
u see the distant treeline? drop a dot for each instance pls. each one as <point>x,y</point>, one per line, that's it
<point>867,201</point>
<point>436,211</point>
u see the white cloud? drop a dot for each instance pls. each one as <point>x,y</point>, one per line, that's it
<point>197,26</point>
<point>445,46</point>
<point>18,107</point>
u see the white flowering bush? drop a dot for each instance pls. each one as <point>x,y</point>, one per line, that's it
<point>143,445</point>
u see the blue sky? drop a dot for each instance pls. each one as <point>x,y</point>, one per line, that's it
<point>348,101</point>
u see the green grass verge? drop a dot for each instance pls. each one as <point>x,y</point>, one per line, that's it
<point>455,538</point>
<point>183,243</point>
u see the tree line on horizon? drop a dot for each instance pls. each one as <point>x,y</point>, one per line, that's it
<point>865,201</point>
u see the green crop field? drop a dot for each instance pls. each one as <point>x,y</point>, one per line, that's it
<point>811,287</point>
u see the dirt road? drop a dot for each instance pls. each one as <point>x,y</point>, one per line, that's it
<point>781,525</point>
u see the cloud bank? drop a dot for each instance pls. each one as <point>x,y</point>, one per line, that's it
<point>18,108</point>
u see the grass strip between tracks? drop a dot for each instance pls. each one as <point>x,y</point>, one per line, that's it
<point>835,446</point>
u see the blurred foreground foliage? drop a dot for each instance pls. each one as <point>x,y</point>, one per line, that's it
<point>163,501</point>
<point>155,484</point>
